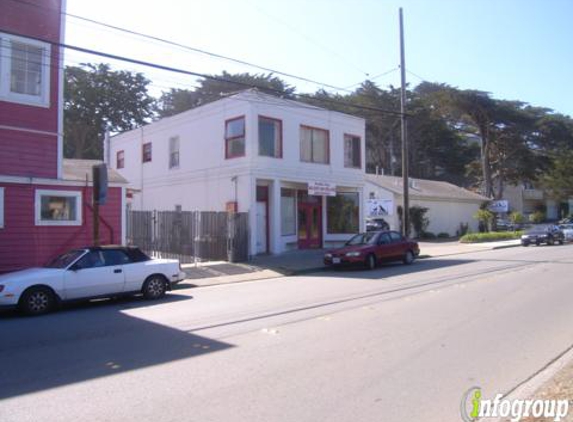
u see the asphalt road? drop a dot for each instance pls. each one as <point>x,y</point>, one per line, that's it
<point>401,343</point>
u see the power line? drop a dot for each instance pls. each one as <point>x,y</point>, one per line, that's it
<point>185,47</point>
<point>191,73</point>
<point>375,77</point>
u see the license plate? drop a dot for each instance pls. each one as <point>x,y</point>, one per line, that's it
<point>336,260</point>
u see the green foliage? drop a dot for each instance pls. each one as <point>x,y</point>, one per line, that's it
<point>443,235</point>
<point>462,230</point>
<point>559,179</point>
<point>537,217</point>
<point>176,101</point>
<point>490,237</point>
<point>418,219</point>
<point>427,235</point>
<point>96,98</point>
<point>516,217</point>
<point>485,217</point>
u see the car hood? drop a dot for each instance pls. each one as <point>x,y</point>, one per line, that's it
<point>30,274</point>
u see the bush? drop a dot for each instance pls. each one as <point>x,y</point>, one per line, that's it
<point>537,217</point>
<point>516,218</point>
<point>463,229</point>
<point>443,235</point>
<point>485,217</point>
<point>490,237</point>
<point>428,235</point>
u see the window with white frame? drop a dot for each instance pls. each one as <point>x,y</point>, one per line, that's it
<point>288,212</point>
<point>352,151</point>
<point>174,152</point>
<point>24,70</point>
<point>1,208</point>
<point>314,145</point>
<point>58,208</point>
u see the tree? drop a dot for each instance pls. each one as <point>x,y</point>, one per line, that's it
<point>97,98</point>
<point>559,179</point>
<point>176,101</point>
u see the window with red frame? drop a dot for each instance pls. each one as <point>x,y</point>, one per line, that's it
<point>146,152</point>
<point>270,137</point>
<point>120,160</point>
<point>235,137</point>
<point>352,156</point>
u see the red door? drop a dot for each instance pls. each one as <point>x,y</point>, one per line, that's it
<point>309,226</point>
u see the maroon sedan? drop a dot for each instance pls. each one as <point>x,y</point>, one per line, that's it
<point>373,247</point>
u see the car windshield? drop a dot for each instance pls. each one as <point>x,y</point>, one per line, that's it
<point>65,259</point>
<point>361,239</point>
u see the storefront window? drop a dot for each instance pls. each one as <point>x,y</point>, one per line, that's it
<point>342,213</point>
<point>288,223</point>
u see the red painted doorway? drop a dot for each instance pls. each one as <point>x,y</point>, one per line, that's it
<point>309,221</point>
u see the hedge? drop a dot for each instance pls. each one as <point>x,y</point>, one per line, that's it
<point>490,237</point>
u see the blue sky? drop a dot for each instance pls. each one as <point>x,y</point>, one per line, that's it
<point>515,49</point>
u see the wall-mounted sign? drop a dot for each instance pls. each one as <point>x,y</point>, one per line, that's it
<point>498,206</point>
<point>321,189</point>
<point>380,207</point>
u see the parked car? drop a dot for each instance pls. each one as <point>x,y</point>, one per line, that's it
<point>87,273</point>
<point>376,224</point>
<point>371,248</point>
<point>567,230</point>
<point>548,234</point>
<point>503,224</point>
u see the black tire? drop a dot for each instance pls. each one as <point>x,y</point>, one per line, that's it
<point>154,287</point>
<point>561,242</point>
<point>551,241</point>
<point>370,262</point>
<point>37,301</point>
<point>408,258</point>
<point>525,244</point>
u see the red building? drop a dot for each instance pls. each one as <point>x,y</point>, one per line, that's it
<point>45,201</point>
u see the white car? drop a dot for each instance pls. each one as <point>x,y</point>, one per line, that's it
<point>88,273</point>
<point>567,230</point>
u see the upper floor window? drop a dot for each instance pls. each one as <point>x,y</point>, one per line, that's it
<point>235,137</point>
<point>120,160</point>
<point>24,70</point>
<point>146,152</point>
<point>270,137</point>
<point>314,144</point>
<point>174,152</point>
<point>352,151</point>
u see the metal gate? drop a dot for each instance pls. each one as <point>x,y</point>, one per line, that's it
<point>190,236</point>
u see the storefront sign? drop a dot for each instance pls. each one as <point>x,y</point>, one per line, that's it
<point>321,189</point>
<point>380,207</point>
<point>498,206</point>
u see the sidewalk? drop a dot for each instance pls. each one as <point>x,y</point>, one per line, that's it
<point>306,261</point>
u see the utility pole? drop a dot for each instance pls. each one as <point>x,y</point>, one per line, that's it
<point>405,183</point>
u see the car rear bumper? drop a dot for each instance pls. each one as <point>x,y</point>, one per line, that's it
<point>344,261</point>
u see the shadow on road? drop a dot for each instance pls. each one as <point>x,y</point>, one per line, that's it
<point>393,269</point>
<point>89,342</point>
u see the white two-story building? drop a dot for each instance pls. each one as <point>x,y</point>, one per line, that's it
<point>298,170</point>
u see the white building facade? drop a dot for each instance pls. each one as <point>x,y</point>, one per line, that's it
<point>298,170</point>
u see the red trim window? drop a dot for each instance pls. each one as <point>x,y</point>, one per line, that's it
<point>120,160</point>
<point>352,152</point>
<point>235,137</point>
<point>314,145</point>
<point>146,152</point>
<point>270,137</point>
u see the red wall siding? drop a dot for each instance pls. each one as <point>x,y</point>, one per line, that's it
<point>42,20</point>
<point>23,244</point>
<point>28,154</point>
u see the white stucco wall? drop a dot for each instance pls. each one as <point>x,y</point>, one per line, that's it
<point>204,178</point>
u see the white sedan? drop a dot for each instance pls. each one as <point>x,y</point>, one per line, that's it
<point>567,230</point>
<point>88,273</point>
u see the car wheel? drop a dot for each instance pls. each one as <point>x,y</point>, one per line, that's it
<point>37,301</point>
<point>408,258</point>
<point>154,287</point>
<point>370,262</point>
<point>561,242</point>
<point>550,241</point>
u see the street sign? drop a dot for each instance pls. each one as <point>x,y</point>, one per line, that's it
<point>321,189</point>
<point>501,205</point>
<point>380,207</point>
